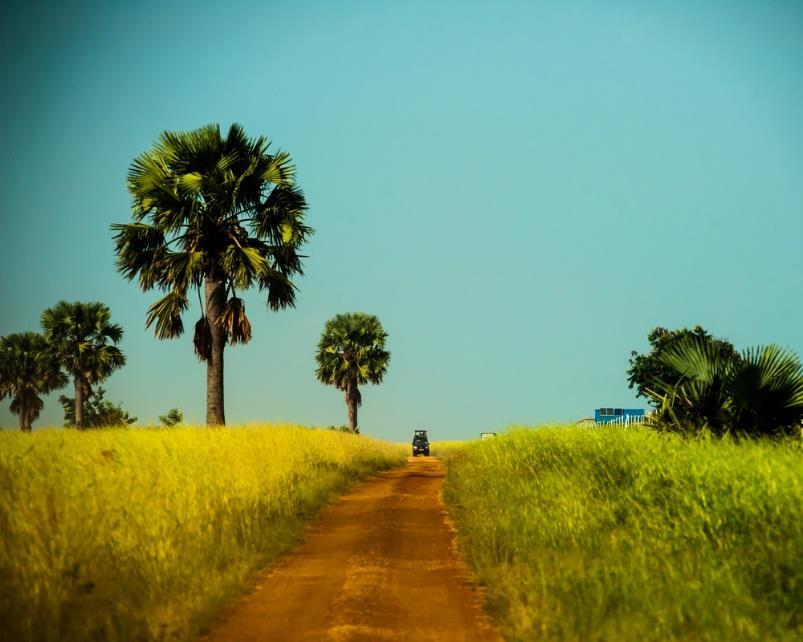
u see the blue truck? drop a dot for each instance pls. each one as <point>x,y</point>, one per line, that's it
<point>624,416</point>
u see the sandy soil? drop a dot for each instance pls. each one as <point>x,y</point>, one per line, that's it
<point>380,564</point>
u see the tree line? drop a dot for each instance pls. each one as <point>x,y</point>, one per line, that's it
<point>212,214</point>
<point>215,215</point>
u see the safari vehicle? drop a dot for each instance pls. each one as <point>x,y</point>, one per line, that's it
<point>420,443</point>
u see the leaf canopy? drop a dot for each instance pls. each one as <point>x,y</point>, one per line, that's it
<point>647,369</point>
<point>759,392</point>
<point>352,351</point>
<point>28,368</point>
<point>208,206</point>
<point>83,339</point>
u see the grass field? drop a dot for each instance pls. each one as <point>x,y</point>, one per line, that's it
<point>622,534</point>
<point>143,534</point>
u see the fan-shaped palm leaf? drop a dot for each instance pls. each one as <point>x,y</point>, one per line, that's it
<point>766,391</point>
<point>760,393</point>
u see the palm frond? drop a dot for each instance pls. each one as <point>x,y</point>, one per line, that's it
<point>279,170</point>
<point>279,219</point>
<point>140,249</point>
<point>182,269</point>
<point>166,314</point>
<point>243,265</point>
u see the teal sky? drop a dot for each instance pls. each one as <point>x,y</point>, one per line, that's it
<point>519,190</point>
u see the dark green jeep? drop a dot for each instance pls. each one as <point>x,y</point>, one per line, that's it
<point>420,443</point>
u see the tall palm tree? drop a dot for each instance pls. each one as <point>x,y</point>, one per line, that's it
<point>219,213</point>
<point>351,353</point>
<point>28,368</point>
<point>759,392</point>
<point>85,342</point>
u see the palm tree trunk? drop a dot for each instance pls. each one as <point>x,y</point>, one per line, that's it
<point>24,427</point>
<point>352,402</point>
<point>215,302</point>
<point>353,416</point>
<point>79,402</point>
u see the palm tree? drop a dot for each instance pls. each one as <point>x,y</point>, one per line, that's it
<point>766,392</point>
<point>216,212</point>
<point>28,368</point>
<point>84,340</point>
<point>759,392</point>
<point>351,353</point>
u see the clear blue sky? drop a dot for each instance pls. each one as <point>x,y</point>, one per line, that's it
<point>519,190</point>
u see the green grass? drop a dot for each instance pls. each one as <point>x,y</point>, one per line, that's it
<point>139,534</point>
<point>445,449</point>
<point>623,534</point>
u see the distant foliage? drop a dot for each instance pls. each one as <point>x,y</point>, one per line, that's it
<point>85,341</point>
<point>98,412</point>
<point>352,353</point>
<point>340,428</point>
<point>28,369</point>
<point>646,370</point>
<point>172,418</point>
<point>757,393</point>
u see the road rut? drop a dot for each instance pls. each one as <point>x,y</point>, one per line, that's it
<point>379,564</point>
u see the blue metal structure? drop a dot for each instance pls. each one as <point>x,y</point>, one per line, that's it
<point>618,415</point>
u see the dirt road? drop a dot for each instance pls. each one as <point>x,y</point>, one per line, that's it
<point>377,565</point>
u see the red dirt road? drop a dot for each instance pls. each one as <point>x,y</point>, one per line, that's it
<point>378,565</point>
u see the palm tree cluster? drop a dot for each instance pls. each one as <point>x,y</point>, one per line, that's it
<point>214,213</point>
<point>79,340</point>
<point>757,393</point>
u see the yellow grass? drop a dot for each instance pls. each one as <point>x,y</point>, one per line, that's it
<point>142,534</point>
<point>446,448</point>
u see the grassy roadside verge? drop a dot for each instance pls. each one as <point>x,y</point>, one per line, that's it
<point>143,534</point>
<point>616,534</point>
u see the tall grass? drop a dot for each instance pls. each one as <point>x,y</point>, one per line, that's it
<point>623,534</point>
<point>126,535</point>
<point>444,449</point>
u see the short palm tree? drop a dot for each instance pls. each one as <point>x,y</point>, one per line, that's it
<point>84,341</point>
<point>351,353</point>
<point>28,368</point>
<point>766,392</point>
<point>757,393</point>
<point>218,213</point>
